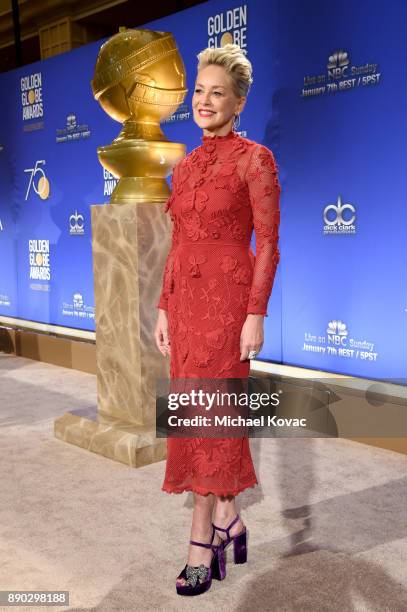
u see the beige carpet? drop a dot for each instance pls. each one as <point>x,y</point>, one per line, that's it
<point>327,528</point>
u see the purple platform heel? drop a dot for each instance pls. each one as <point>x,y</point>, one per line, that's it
<point>239,541</point>
<point>199,579</point>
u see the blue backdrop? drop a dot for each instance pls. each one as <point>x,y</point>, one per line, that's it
<point>328,99</point>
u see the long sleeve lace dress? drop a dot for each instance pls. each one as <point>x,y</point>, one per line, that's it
<point>221,191</point>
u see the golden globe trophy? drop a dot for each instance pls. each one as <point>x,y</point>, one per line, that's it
<point>139,80</point>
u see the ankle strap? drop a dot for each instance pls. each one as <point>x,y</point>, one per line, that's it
<point>201,543</point>
<point>226,530</point>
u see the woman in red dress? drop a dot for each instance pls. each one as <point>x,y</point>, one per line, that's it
<point>214,298</point>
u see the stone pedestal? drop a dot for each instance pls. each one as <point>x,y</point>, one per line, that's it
<point>130,243</point>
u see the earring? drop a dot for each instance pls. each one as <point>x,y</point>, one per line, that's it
<point>236,123</point>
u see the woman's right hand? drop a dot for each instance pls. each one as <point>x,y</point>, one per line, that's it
<point>161,335</point>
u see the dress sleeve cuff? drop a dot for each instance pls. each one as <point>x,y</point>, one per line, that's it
<point>251,311</point>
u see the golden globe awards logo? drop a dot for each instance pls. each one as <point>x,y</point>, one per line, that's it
<point>109,182</point>
<point>228,27</point>
<point>31,96</point>
<point>39,259</point>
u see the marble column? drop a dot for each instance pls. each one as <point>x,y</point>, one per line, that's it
<point>130,244</point>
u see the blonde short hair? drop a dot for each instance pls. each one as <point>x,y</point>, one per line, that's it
<point>235,62</point>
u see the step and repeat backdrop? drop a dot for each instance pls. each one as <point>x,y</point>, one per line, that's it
<point>329,99</point>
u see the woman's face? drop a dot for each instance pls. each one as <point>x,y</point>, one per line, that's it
<point>214,93</point>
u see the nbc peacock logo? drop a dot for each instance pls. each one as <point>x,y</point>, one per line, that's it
<point>72,131</point>
<point>78,300</point>
<point>78,308</point>
<point>337,333</point>
<point>340,74</point>
<point>338,64</point>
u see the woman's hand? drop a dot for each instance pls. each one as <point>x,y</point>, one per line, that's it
<point>252,335</point>
<point>161,333</point>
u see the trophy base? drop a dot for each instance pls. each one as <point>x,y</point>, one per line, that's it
<point>142,166</point>
<point>139,189</point>
<point>134,445</point>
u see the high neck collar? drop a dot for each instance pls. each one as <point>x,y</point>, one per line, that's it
<point>216,138</point>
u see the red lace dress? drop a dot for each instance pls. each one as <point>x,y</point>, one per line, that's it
<point>220,191</point>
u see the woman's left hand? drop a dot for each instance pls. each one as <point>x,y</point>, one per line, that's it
<point>252,335</point>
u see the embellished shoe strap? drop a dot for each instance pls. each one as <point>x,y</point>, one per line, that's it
<point>200,573</point>
<point>194,574</point>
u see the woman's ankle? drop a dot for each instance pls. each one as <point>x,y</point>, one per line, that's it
<point>224,515</point>
<point>201,533</point>
<point>225,519</point>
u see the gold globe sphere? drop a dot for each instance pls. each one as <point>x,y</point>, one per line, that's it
<point>140,74</point>
<point>139,80</point>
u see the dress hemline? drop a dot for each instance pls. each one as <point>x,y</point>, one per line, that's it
<point>202,491</point>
